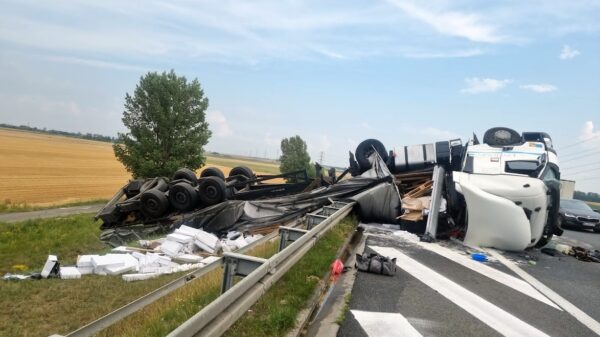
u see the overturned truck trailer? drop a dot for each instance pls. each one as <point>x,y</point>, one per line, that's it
<point>503,192</point>
<point>160,199</point>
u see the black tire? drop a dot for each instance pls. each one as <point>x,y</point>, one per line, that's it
<point>183,197</point>
<point>596,230</point>
<point>544,240</point>
<point>211,191</point>
<point>154,203</point>
<point>365,149</point>
<point>501,136</point>
<point>442,153</point>
<point>242,171</point>
<point>187,174</point>
<point>243,174</point>
<point>212,172</point>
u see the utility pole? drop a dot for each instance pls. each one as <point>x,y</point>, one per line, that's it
<point>321,157</point>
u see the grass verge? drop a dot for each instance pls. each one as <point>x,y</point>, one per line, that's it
<point>275,313</point>
<point>164,315</point>
<point>9,207</point>
<point>43,307</point>
<point>27,244</point>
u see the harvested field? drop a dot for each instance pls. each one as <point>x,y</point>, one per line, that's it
<point>40,169</point>
<point>43,169</point>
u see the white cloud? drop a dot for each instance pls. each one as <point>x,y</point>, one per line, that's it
<point>539,88</point>
<point>271,141</point>
<point>590,134</point>
<point>366,126</point>
<point>476,85</point>
<point>453,23</point>
<point>446,54</point>
<point>325,143</point>
<point>95,63</point>
<point>218,123</point>
<point>568,53</point>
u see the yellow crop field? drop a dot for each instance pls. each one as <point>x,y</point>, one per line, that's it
<point>41,169</point>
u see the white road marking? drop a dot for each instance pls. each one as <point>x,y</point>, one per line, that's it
<point>380,324</point>
<point>490,314</point>
<point>581,316</point>
<point>483,269</point>
<point>492,273</point>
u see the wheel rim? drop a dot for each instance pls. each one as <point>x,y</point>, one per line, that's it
<point>211,191</point>
<point>180,197</point>
<point>152,204</point>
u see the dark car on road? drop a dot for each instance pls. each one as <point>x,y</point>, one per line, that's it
<point>577,214</point>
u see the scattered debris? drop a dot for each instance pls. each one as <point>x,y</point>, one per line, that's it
<point>549,251</point>
<point>185,249</point>
<point>375,263</point>
<point>481,257</point>
<point>51,267</point>
<point>586,255</point>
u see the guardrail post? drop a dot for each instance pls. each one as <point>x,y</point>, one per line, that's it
<point>314,219</point>
<point>329,210</point>
<point>289,234</point>
<point>238,265</point>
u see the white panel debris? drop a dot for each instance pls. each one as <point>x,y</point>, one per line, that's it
<point>50,266</point>
<point>69,273</point>
<point>206,241</point>
<point>139,277</point>
<point>188,258</point>
<point>171,248</point>
<point>187,246</point>
<point>181,238</point>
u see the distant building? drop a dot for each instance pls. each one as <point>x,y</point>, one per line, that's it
<point>567,189</point>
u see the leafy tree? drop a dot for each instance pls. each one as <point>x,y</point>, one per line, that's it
<point>294,156</point>
<point>167,127</point>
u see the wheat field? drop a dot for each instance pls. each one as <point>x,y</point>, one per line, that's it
<point>41,169</point>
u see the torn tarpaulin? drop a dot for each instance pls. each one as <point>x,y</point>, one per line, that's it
<point>248,215</point>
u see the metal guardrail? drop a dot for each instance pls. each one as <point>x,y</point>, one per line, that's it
<point>219,315</point>
<point>132,307</point>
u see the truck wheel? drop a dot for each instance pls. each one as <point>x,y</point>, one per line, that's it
<point>183,197</point>
<point>501,136</point>
<point>154,203</point>
<point>212,190</point>
<point>187,174</point>
<point>212,172</point>
<point>242,171</point>
<point>365,149</point>
<point>442,153</point>
<point>245,173</point>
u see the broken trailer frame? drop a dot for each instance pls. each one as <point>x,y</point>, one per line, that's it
<point>118,212</point>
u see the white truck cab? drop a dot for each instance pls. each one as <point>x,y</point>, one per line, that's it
<point>510,184</point>
<point>503,192</point>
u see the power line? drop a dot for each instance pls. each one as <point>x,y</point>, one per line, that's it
<point>578,153</point>
<point>578,166</point>
<point>584,155</point>
<point>579,142</point>
<point>584,171</point>
<point>589,178</point>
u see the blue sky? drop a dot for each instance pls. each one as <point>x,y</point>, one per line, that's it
<point>334,72</point>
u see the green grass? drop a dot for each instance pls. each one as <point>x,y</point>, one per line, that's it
<point>8,207</point>
<point>30,242</point>
<point>275,313</point>
<point>44,307</point>
<point>342,315</point>
<point>164,315</point>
